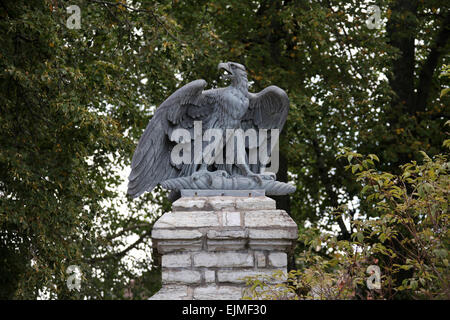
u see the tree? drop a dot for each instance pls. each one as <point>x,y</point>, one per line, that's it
<point>71,107</point>
<point>75,101</point>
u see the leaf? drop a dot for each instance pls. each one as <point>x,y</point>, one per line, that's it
<point>444,92</point>
<point>360,237</point>
<point>374,157</point>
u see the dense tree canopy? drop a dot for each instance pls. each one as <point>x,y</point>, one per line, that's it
<point>73,103</point>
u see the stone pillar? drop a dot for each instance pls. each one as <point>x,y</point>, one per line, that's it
<point>208,244</point>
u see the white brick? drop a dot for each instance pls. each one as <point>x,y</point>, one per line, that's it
<point>191,219</point>
<point>172,292</point>
<point>227,234</point>
<point>222,203</point>
<point>217,293</point>
<point>278,259</point>
<point>226,240</point>
<point>176,234</point>
<point>210,276</point>
<point>226,245</point>
<point>268,218</point>
<point>273,233</point>
<point>223,259</point>
<point>165,246</point>
<point>271,245</point>
<point>181,276</point>
<point>255,203</point>
<point>260,259</point>
<point>189,204</point>
<point>176,260</point>
<point>231,219</point>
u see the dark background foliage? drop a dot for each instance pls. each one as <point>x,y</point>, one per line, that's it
<point>74,102</point>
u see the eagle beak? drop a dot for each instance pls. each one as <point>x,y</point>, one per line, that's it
<point>226,67</point>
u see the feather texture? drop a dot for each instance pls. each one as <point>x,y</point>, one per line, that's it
<point>268,109</point>
<point>151,161</point>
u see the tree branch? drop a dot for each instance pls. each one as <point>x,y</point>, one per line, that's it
<point>120,254</point>
<point>123,231</point>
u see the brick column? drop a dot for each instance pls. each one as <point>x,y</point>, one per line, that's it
<point>208,244</point>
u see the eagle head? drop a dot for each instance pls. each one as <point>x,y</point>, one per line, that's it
<point>236,73</point>
<point>232,70</point>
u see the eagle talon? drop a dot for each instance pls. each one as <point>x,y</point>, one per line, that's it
<point>222,173</point>
<point>270,176</point>
<point>202,173</point>
<point>256,177</point>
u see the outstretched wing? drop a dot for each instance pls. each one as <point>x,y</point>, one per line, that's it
<point>268,109</point>
<point>151,160</point>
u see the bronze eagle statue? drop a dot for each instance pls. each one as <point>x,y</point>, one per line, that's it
<point>232,107</point>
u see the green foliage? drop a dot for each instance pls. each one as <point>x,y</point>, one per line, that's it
<point>71,110</point>
<point>409,236</point>
<point>411,233</point>
<point>74,102</point>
